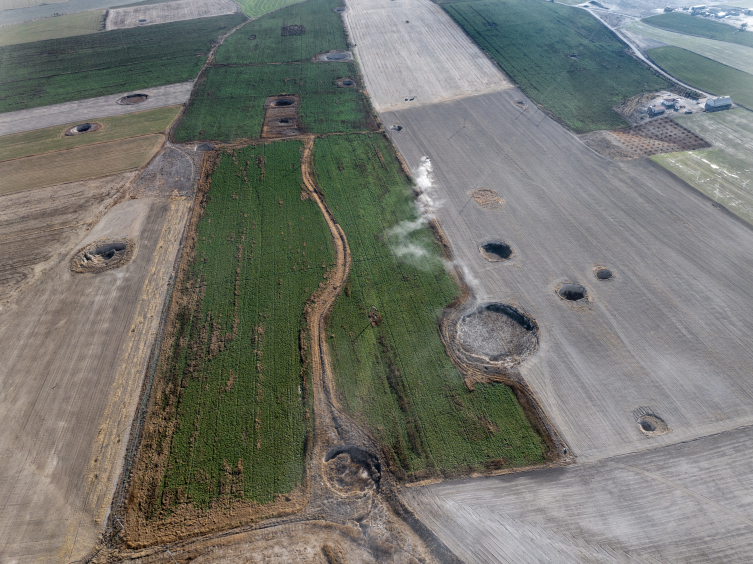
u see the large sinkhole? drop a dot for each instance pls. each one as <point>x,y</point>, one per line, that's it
<point>337,56</point>
<point>652,425</point>
<point>284,102</point>
<point>102,255</point>
<point>603,274</point>
<point>495,250</point>
<point>572,292</point>
<point>497,331</point>
<point>83,127</point>
<point>133,99</point>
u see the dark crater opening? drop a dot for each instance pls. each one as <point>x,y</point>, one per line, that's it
<point>284,102</point>
<point>348,83</point>
<point>102,255</point>
<point>133,99</point>
<point>495,250</point>
<point>252,36</point>
<point>603,274</point>
<point>338,10</point>
<point>284,121</point>
<point>370,462</point>
<point>497,332</point>
<point>648,426</point>
<point>142,21</point>
<point>336,57</point>
<point>83,127</point>
<point>572,292</point>
<point>652,425</point>
<point>396,127</point>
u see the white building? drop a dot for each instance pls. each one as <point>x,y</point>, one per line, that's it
<point>716,104</point>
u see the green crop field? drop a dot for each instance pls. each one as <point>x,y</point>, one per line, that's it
<point>561,57</point>
<point>323,32</point>
<point>68,25</point>
<point>234,387</point>
<point>733,55</point>
<point>229,102</point>
<point>705,74</point>
<point>86,66</point>
<point>396,377</point>
<point>117,127</point>
<point>256,8</point>
<point>693,25</point>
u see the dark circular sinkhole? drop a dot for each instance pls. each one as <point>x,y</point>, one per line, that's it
<point>252,36</point>
<point>142,20</point>
<point>338,10</point>
<point>284,121</point>
<point>370,462</point>
<point>336,56</point>
<point>603,274</point>
<point>572,292</point>
<point>83,127</point>
<point>284,102</point>
<point>133,99</point>
<point>496,250</point>
<point>102,255</point>
<point>348,83</point>
<point>652,425</point>
<point>106,252</point>
<point>648,426</point>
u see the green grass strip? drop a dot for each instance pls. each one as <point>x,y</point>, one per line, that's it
<point>705,74</point>
<point>396,378</point>
<point>561,57</point>
<point>702,27</point>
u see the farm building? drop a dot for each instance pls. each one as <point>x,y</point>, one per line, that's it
<point>716,104</point>
<point>669,102</point>
<point>655,111</point>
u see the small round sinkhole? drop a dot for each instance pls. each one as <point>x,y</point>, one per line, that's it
<point>338,10</point>
<point>337,57</point>
<point>495,251</point>
<point>133,99</point>
<point>284,102</point>
<point>284,121</point>
<point>142,20</point>
<point>83,127</point>
<point>252,36</point>
<point>603,274</point>
<point>652,425</point>
<point>572,292</point>
<point>348,83</point>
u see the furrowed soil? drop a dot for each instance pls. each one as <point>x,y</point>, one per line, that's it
<point>230,412</point>
<point>71,165</point>
<point>323,31</point>
<point>165,12</point>
<point>88,66</point>
<point>705,74</point>
<point>112,128</point>
<point>561,57</point>
<point>392,372</point>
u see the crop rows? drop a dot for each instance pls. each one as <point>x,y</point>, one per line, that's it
<point>233,406</point>
<point>561,57</point>
<point>86,66</point>
<point>392,370</point>
<point>262,41</point>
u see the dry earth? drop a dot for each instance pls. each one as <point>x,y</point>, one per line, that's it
<point>135,16</point>
<point>689,503</point>
<point>671,332</point>
<point>428,58</point>
<point>75,348</point>
<point>82,110</point>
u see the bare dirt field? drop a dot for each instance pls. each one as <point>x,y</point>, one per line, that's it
<point>428,58</point>
<point>38,228</point>
<point>165,12</point>
<point>71,165</point>
<point>81,110</point>
<point>669,333</point>
<point>75,347</point>
<point>688,503</point>
<point>663,135</point>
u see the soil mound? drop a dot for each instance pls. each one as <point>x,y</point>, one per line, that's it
<point>495,251</point>
<point>488,199</point>
<point>132,99</point>
<point>83,128</point>
<point>497,332</point>
<point>572,292</point>
<point>102,255</point>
